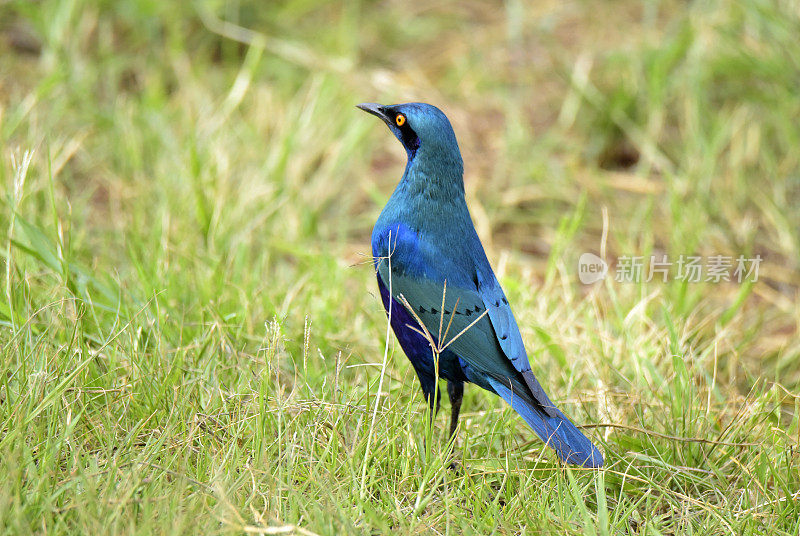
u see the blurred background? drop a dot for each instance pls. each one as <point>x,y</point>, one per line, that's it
<point>189,194</point>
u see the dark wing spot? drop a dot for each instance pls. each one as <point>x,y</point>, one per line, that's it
<point>434,310</point>
<point>468,312</point>
<point>497,303</point>
<point>458,312</point>
<point>446,312</point>
<point>505,300</point>
<point>422,310</point>
<point>503,337</point>
<point>477,309</point>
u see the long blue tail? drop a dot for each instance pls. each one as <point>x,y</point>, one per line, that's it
<point>557,432</point>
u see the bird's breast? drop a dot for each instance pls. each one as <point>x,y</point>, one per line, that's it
<point>427,254</point>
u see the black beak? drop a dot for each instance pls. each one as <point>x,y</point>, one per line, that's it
<point>376,110</point>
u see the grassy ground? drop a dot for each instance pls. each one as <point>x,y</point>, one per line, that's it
<point>191,340</point>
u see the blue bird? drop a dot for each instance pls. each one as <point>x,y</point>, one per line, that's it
<point>444,302</point>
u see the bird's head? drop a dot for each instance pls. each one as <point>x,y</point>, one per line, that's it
<point>421,128</point>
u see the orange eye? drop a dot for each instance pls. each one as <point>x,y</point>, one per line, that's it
<point>400,120</point>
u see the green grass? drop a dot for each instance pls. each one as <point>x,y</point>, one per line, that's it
<point>191,340</point>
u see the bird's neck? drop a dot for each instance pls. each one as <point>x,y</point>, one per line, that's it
<point>438,177</point>
<point>430,195</point>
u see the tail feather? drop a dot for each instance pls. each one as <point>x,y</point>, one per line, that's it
<point>557,432</point>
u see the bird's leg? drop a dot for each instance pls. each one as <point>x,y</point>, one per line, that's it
<point>456,392</point>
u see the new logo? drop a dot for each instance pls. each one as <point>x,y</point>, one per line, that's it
<point>591,268</point>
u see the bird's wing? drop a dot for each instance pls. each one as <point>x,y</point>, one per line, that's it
<point>508,334</point>
<point>454,317</point>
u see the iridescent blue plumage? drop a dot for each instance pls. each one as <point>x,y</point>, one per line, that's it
<point>436,283</point>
